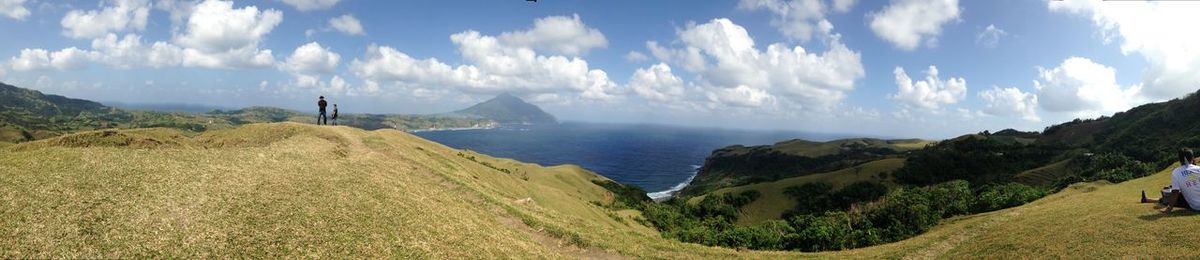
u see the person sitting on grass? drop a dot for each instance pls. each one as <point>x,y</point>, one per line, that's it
<point>1184,191</point>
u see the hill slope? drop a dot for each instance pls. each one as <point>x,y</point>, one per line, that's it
<point>773,202</point>
<point>1085,221</point>
<point>508,109</point>
<point>740,165</point>
<point>292,190</point>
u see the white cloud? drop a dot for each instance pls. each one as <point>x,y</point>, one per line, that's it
<point>347,24</point>
<point>123,53</point>
<point>741,96</point>
<point>70,58</point>
<point>931,93</point>
<point>1082,87</point>
<point>309,62</point>
<point>30,59</point>
<point>494,65</point>
<point>636,56</point>
<point>741,75</point>
<point>129,52</point>
<point>1162,32</point>
<point>311,59</point>
<point>798,19</point>
<point>309,5</point>
<point>216,36</point>
<point>967,114</point>
<point>219,36</point>
<point>1010,102</point>
<point>657,83</point>
<point>990,36</point>
<point>116,16</point>
<point>556,35</point>
<point>177,9</point>
<point>337,85</point>
<point>908,23</point>
<point>843,6</point>
<point>14,9</point>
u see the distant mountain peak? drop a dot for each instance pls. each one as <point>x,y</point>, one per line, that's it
<point>506,108</point>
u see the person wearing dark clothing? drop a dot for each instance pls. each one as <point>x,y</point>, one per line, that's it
<point>334,117</point>
<point>321,120</point>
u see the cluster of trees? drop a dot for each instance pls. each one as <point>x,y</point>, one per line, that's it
<point>818,197</point>
<point>1112,167</point>
<point>763,164</point>
<point>901,213</point>
<point>977,159</point>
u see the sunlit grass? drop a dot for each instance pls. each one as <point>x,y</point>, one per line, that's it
<point>289,190</point>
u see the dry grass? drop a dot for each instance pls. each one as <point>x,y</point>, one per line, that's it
<point>299,191</point>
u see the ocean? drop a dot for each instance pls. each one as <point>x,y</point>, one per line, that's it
<point>659,159</point>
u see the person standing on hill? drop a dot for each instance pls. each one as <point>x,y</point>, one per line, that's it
<point>321,120</point>
<point>1184,191</point>
<point>334,117</point>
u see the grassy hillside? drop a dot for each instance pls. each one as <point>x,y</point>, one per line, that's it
<point>773,202</point>
<point>1085,221</point>
<point>740,165</point>
<point>1045,176</point>
<point>293,190</point>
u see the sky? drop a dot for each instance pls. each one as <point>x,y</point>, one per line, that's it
<point>896,68</point>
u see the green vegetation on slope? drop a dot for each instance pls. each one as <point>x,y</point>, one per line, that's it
<point>1085,221</point>
<point>841,222</point>
<point>1148,133</point>
<point>773,202</point>
<point>740,165</point>
<point>979,159</point>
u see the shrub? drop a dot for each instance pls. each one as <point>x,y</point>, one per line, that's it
<point>1008,195</point>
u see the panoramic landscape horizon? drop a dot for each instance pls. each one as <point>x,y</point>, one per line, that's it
<point>567,129</point>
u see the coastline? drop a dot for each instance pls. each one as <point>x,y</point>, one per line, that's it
<point>483,127</point>
<point>660,196</point>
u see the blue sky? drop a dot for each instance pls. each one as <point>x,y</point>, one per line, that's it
<point>838,66</point>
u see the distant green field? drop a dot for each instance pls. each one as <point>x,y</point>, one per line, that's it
<point>817,149</point>
<point>772,202</point>
<point>1046,175</point>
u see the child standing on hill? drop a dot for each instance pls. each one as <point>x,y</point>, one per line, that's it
<point>334,114</point>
